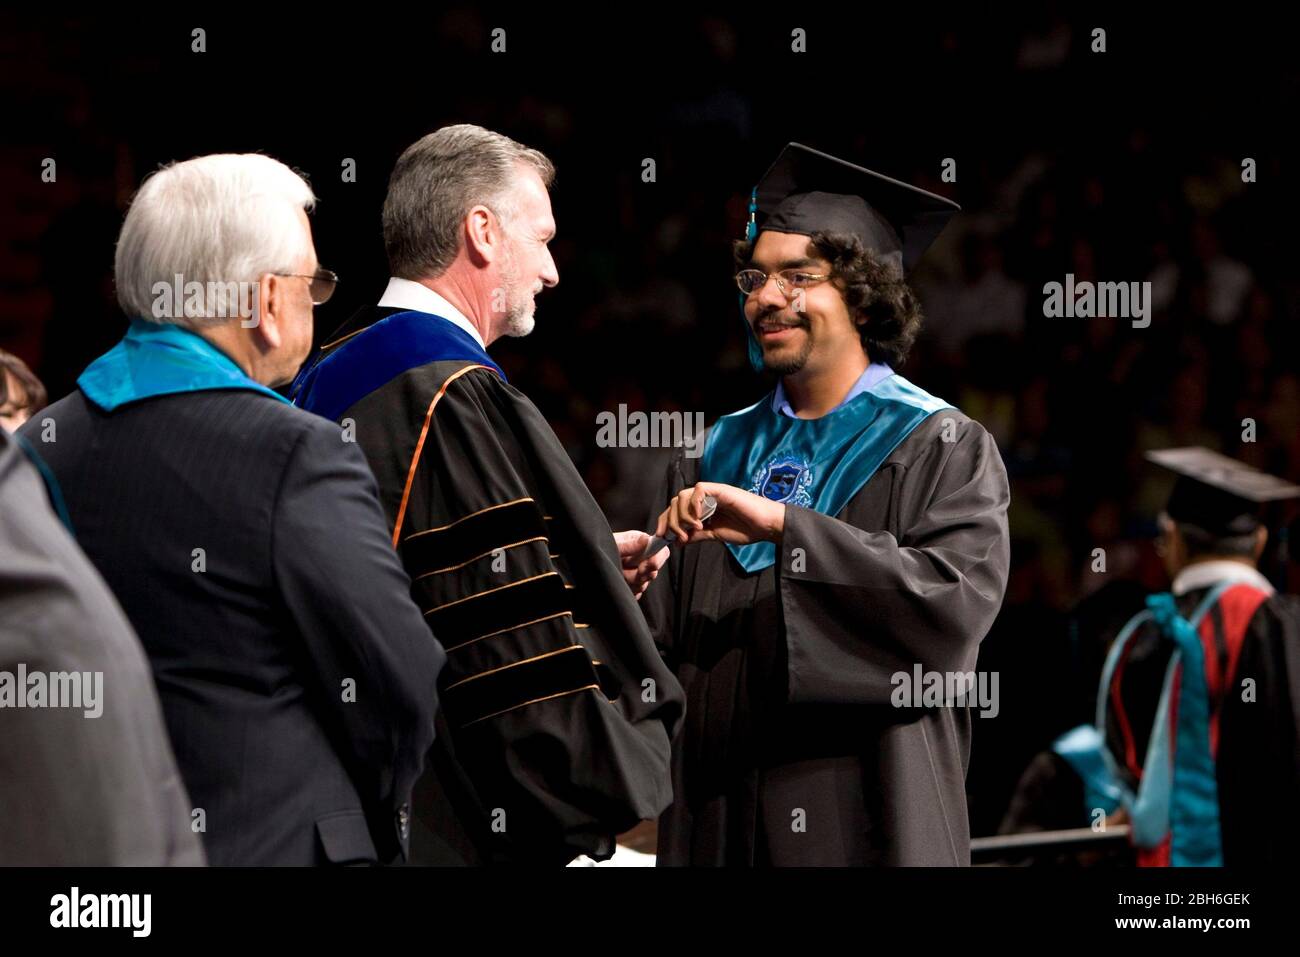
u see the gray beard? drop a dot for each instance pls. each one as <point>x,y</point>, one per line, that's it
<point>519,318</point>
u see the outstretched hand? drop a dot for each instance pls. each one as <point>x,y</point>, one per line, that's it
<point>638,572</point>
<point>741,517</point>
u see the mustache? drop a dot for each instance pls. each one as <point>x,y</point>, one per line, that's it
<point>773,320</point>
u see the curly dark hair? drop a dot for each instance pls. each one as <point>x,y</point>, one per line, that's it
<point>884,308</point>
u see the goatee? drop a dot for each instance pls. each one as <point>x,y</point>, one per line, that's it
<point>784,365</point>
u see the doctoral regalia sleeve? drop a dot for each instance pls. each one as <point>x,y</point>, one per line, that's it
<point>1258,757</point>
<point>560,708</point>
<point>860,606</point>
<point>659,603</point>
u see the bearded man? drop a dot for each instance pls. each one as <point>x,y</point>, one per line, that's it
<point>557,708</point>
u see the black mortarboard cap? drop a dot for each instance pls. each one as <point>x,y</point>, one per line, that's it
<point>1219,494</point>
<point>807,191</point>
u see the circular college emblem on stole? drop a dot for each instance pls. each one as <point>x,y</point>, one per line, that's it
<point>784,479</point>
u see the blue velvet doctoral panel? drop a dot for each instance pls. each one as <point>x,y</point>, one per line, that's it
<point>814,463</point>
<point>379,354</point>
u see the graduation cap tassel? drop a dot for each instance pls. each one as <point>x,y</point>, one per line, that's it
<point>752,348</point>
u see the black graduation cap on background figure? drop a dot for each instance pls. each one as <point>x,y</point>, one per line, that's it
<point>807,191</point>
<point>1218,494</point>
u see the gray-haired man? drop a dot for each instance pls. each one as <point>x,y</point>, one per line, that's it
<point>242,536</point>
<point>558,709</point>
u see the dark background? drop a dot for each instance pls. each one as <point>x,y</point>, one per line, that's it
<point>1116,166</point>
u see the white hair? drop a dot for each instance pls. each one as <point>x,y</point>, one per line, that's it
<point>218,220</point>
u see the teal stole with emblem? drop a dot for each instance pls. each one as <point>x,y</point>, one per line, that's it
<point>813,463</point>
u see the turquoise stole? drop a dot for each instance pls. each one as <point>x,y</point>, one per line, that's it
<point>813,463</point>
<point>161,359</point>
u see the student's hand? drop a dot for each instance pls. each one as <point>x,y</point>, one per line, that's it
<point>638,572</point>
<point>741,518</point>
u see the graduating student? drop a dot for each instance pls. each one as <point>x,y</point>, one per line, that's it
<point>557,709</point>
<point>860,532</point>
<point>1195,740</point>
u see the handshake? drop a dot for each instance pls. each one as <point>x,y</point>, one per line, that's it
<point>704,512</point>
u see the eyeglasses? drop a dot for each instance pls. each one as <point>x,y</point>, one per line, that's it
<point>789,281</point>
<point>322,284</point>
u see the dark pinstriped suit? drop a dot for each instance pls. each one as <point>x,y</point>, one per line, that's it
<point>300,598</point>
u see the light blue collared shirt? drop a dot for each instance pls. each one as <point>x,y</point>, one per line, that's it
<point>870,376</point>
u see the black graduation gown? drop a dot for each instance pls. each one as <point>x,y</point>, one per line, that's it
<point>557,710</point>
<point>1257,762</point>
<point>791,752</point>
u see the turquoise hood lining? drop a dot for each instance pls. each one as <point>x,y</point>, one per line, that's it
<point>161,359</point>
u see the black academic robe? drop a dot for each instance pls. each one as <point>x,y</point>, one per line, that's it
<point>557,710</point>
<point>791,752</point>
<point>1257,751</point>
